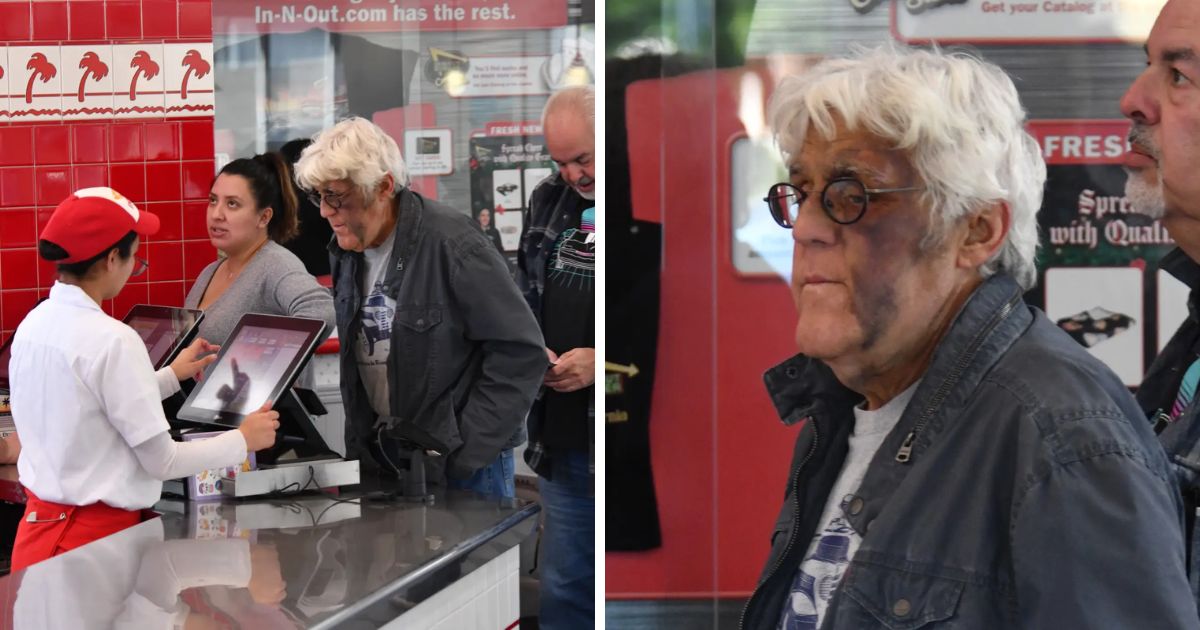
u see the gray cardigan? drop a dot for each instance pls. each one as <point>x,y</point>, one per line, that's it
<point>274,282</point>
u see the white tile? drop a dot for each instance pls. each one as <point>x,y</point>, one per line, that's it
<point>87,81</point>
<point>190,66</point>
<point>36,77</point>
<point>137,72</point>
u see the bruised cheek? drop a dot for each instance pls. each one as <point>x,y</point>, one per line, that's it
<point>887,249</point>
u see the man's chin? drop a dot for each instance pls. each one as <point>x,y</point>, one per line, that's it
<point>1144,197</point>
<point>587,194</point>
<point>349,243</point>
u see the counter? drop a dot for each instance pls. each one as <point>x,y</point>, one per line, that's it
<point>311,561</point>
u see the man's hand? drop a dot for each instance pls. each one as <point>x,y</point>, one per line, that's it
<point>574,370</point>
<point>193,359</point>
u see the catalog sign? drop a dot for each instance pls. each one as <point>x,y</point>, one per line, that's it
<point>357,16</point>
<point>1018,21</point>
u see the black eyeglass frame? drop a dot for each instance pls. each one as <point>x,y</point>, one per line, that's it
<point>334,201</point>
<point>141,267</point>
<point>785,222</point>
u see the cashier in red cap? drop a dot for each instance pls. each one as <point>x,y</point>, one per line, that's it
<point>86,399</point>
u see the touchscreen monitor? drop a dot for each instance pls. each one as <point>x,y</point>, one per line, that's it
<point>259,361</point>
<point>164,330</point>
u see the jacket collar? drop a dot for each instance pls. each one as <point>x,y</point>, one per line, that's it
<point>1183,268</point>
<point>407,232</point>
<point>992,319</point>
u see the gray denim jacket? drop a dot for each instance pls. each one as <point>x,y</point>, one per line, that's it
<point>1032,492</point>
<point>467,355</point>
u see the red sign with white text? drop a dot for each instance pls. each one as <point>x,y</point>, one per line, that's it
<point>1081,141</point>
<point>514,128</point>
<point>357,16</point>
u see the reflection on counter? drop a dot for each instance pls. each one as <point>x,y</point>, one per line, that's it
<point>311,561</point>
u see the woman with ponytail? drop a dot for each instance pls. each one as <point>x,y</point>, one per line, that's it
<point>251,210</point>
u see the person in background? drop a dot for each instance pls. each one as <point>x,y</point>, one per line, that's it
<point>489,230</point>
<point>1161,183</point>
<point>311,243</point>
<point>960,458</point>
<point>251,209</point>
<point>85,398</point>
<point>557,273</point>
<point>439,353</point>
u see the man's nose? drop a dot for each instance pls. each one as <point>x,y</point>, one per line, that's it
<point>1139,103</point>
<point>811,225</point>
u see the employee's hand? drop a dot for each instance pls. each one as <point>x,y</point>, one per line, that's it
<point>574,370</point>
<point>266,578</point>
<point>193,359</point>
<point>259,428</point>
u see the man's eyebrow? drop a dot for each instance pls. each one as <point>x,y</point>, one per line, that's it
<point>574,159</point>
<point>1172,55</point>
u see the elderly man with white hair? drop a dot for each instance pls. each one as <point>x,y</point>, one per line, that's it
<point>440,354</point>
<point>962,461</point>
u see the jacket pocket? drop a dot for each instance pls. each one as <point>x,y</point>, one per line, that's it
<point>418,338</point>
<point>419,318</point>
<point>900,600</point>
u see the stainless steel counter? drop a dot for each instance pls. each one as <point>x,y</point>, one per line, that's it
<point>311,561</point>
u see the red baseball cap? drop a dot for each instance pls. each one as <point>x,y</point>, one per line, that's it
<point>94,219</point>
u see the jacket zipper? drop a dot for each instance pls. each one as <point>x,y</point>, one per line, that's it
<point>795,523</point>
<point>904,455</point>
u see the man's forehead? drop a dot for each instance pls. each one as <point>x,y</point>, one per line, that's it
<point>1177,29</point>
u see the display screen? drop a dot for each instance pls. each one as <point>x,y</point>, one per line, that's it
<point>251,368</point>
<point>164,330</point>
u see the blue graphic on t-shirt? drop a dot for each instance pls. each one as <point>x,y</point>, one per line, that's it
<point>819,578</point>
<point>376,319</point>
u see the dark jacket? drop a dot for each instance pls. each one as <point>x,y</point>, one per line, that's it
<point>1156,396</point>
<point>467,357</point>
<point>1033,495</point>
<point>553,207</point>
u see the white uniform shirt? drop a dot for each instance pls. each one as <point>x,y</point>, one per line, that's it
<point>84,395</point>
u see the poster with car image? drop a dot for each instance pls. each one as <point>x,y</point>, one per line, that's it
<point>503,172</point>
<point>1099,256</point>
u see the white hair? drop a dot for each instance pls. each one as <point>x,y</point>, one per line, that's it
<point>580,99</point>
<point>957,117</point>
<point>355,149</point>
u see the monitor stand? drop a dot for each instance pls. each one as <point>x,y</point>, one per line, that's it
<point>299,461</point>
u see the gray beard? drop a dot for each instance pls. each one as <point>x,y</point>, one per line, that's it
<point>1145,198</point>
<point>590,196</point>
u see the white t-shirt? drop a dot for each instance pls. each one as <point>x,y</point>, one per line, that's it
<point>835,542</point>
<point>85,397</point>
<point>374,342</point>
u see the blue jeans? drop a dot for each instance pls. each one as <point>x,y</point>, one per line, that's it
<point>568,559</point>
<point>495,479</point>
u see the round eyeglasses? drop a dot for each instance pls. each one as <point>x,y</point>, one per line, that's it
<point>843,199</point>
<point>331,199</point>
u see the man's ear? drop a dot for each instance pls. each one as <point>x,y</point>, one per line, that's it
<point>985,232</point>
<point>387,186</point>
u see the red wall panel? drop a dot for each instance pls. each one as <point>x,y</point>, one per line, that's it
<point>720,453</point>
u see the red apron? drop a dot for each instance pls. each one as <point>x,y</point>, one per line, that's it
<point>49,529</point>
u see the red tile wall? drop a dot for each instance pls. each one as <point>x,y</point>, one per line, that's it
<point>163,164</point>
